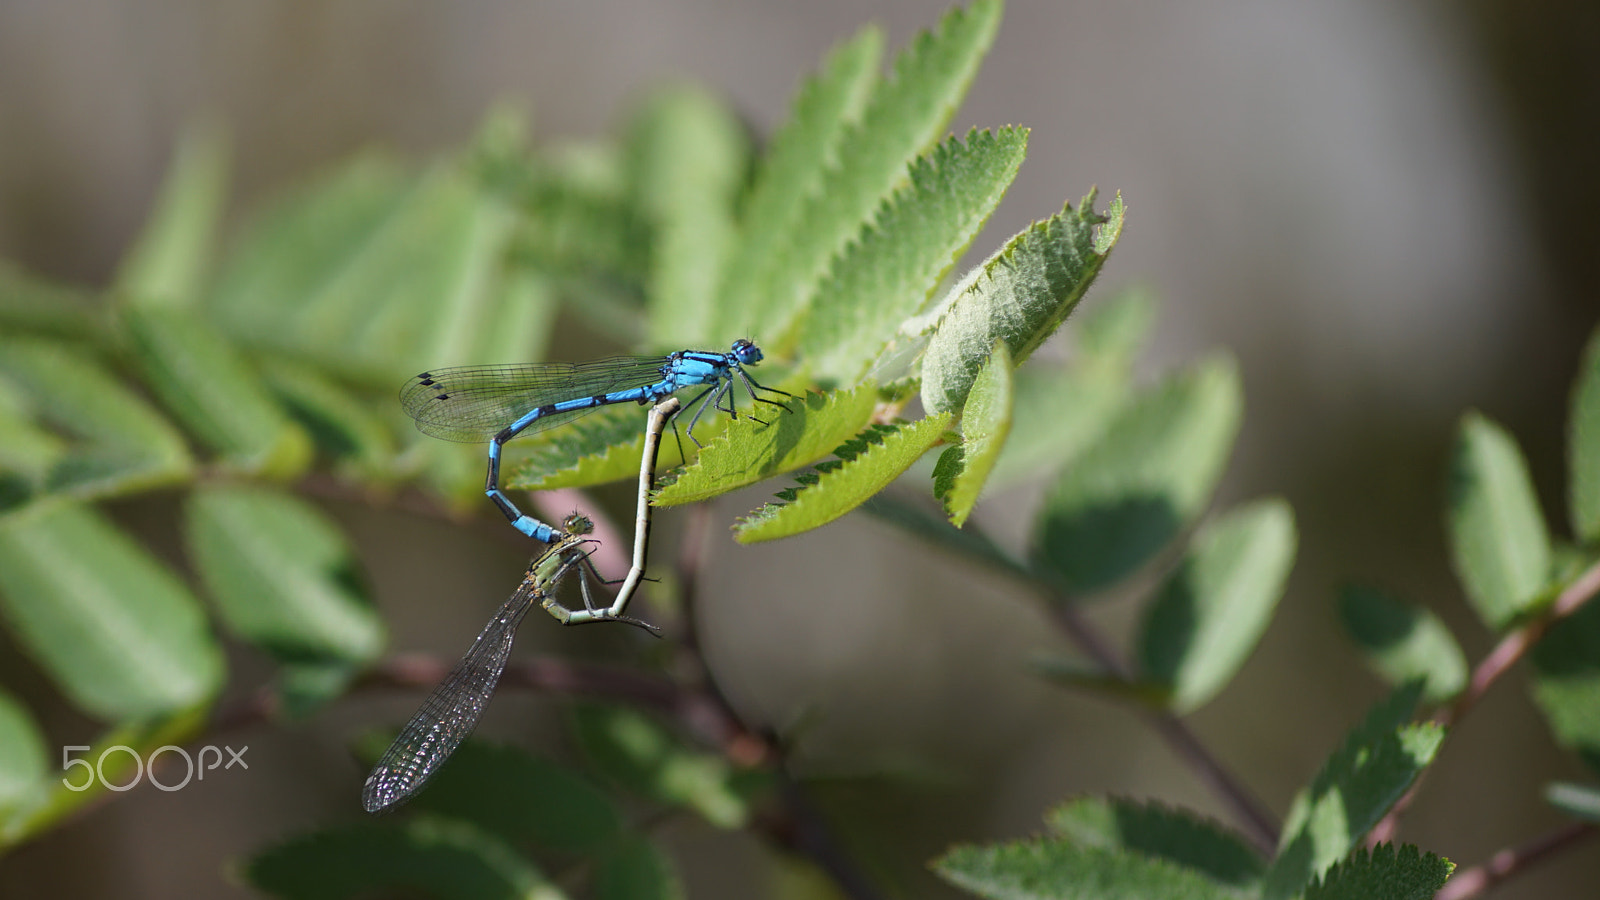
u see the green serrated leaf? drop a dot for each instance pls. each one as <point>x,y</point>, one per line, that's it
<point>888,271</point>
<point>1385,874</point>
<point>815,424</point>
<point>116,630</point>
<point>1581,801</point>
<point>1021,295</point>
<point>1216,605</point>
<point>1150,473</point>
<point>907,113</point>
<point>281,575</point>
<point>170,256</point>
<point>1053,869</point>
<point>632,749</point>
<point>633,868</point>
<point>344,426</point>
<point>963,469</point>
<point>1583,446</point>
<point>804,148</point>
<point>23,763</point>
<point>1498,540</point>
<point>435,857</point>
<point>40,307</point>
<point>889,452</point>
<point>1403,641</point>
<point>597,449</point>
<point>1373,767</point>
<point>1566,683</point>
<point>1159,831</point>
<point>690,158</point>
<point>522,799</point>
<point>202,379</point>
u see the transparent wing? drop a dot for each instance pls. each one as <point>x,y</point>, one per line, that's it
<point>471,404</point>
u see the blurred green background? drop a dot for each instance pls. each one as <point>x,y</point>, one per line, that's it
<point>1386,210</point>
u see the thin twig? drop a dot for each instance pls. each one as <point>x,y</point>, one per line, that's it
<point>1511,861</point>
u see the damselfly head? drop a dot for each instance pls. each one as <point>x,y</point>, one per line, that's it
<point>577,523</point>
<point>746,352</point>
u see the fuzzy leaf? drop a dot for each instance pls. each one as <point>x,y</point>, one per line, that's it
<point>281,575</point>
<point>201,378</point>
<point>632,749</point>
<point>1403,641</point>
<point>887,272</point>
<point>169,258</point>
<point>433,857</point>
<point>24,765</point>
<point>1152,829</point>
<point>878,457</point>
<point>116,630</point>
<point>804,148</point>
<point>1583,446</point>
<point>1216,605</point>
<point>1498,540</point>
<point>1386,874</point>
<point>1021,295</point>
<point>814,426</point>
<point>1054,869</point>
<point>633,868</point>
<point>1566,682</point>
<point>963,469</point>
<point>596,449</point>
<point>690,157</point>
<point>907,113</point>
<point>1151,472</point>
<point>1373,767</point>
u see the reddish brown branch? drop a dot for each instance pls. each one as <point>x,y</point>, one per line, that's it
<point>1511,861</point>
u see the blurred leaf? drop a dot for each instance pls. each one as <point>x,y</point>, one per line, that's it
<point>797,159</point>
<point>40,307</point>
<point>1158,831</point>
<point>25,448</point>
<point>1387,874</point>
<point>203,380</point>
<point>1080,674</point>
<point>1566,681</point>
<point>885,274</point>
<point>963,469</point>
<point>304,687</point>
<point>906,113</point>
<point>1054,869</point>
<point>1111,334</point>
<point>1216,605</point>
<point>930,526</point>
<point>635,869</point>
<point>1361,780</point>
<point>1579,801</point>
<point>170,256</point>
<point>116,630</point>
<point>1403,641</point>
<point>1055,414</point>
<point>434,857</point>
<point>1498,540</point>
<point>1151,472</point>
<point>522,798</point>
<point>636,752</point>
<point>24,763</point>
<point>281,575</point>
<point>1020,295</point>
<point>524,320</point>
<point>690,159</point>
<point>869,463</point>
<point>814,425</point>
<point>1583,446</point>
<point>343,425</point>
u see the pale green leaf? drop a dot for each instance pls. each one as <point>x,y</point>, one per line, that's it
<point>1112,332</point>
<point>437,858</point>
<point>24,762</point>
<point>1056,413</point>
<point>345,426</point>
<point>40,307</point>
<point>1164,832</point>
<point>633,868</point>
<point>1385,874</point>
<point>985,422</point>
<point>1216,605</point>
<point>1147,476</point>
<point>170,256</point>
<point>1580,801</point>
<point>1583,446</point>
<point>632,749</point>
<point>1021,295</point>
<point>1498,540</point>
<point>690,158</point>
<point>1374,766</point>
<point>203,380</point>
<point>750,452</point>
<point>1403,641</point>
<point>1055,869</point>
<point>116,630</point>
<point>281,575</point>
<point>907,113</point>
<point>886,273</point>
<point>878,457</point>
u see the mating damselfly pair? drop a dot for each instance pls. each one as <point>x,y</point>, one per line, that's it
<point>496,404</point>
